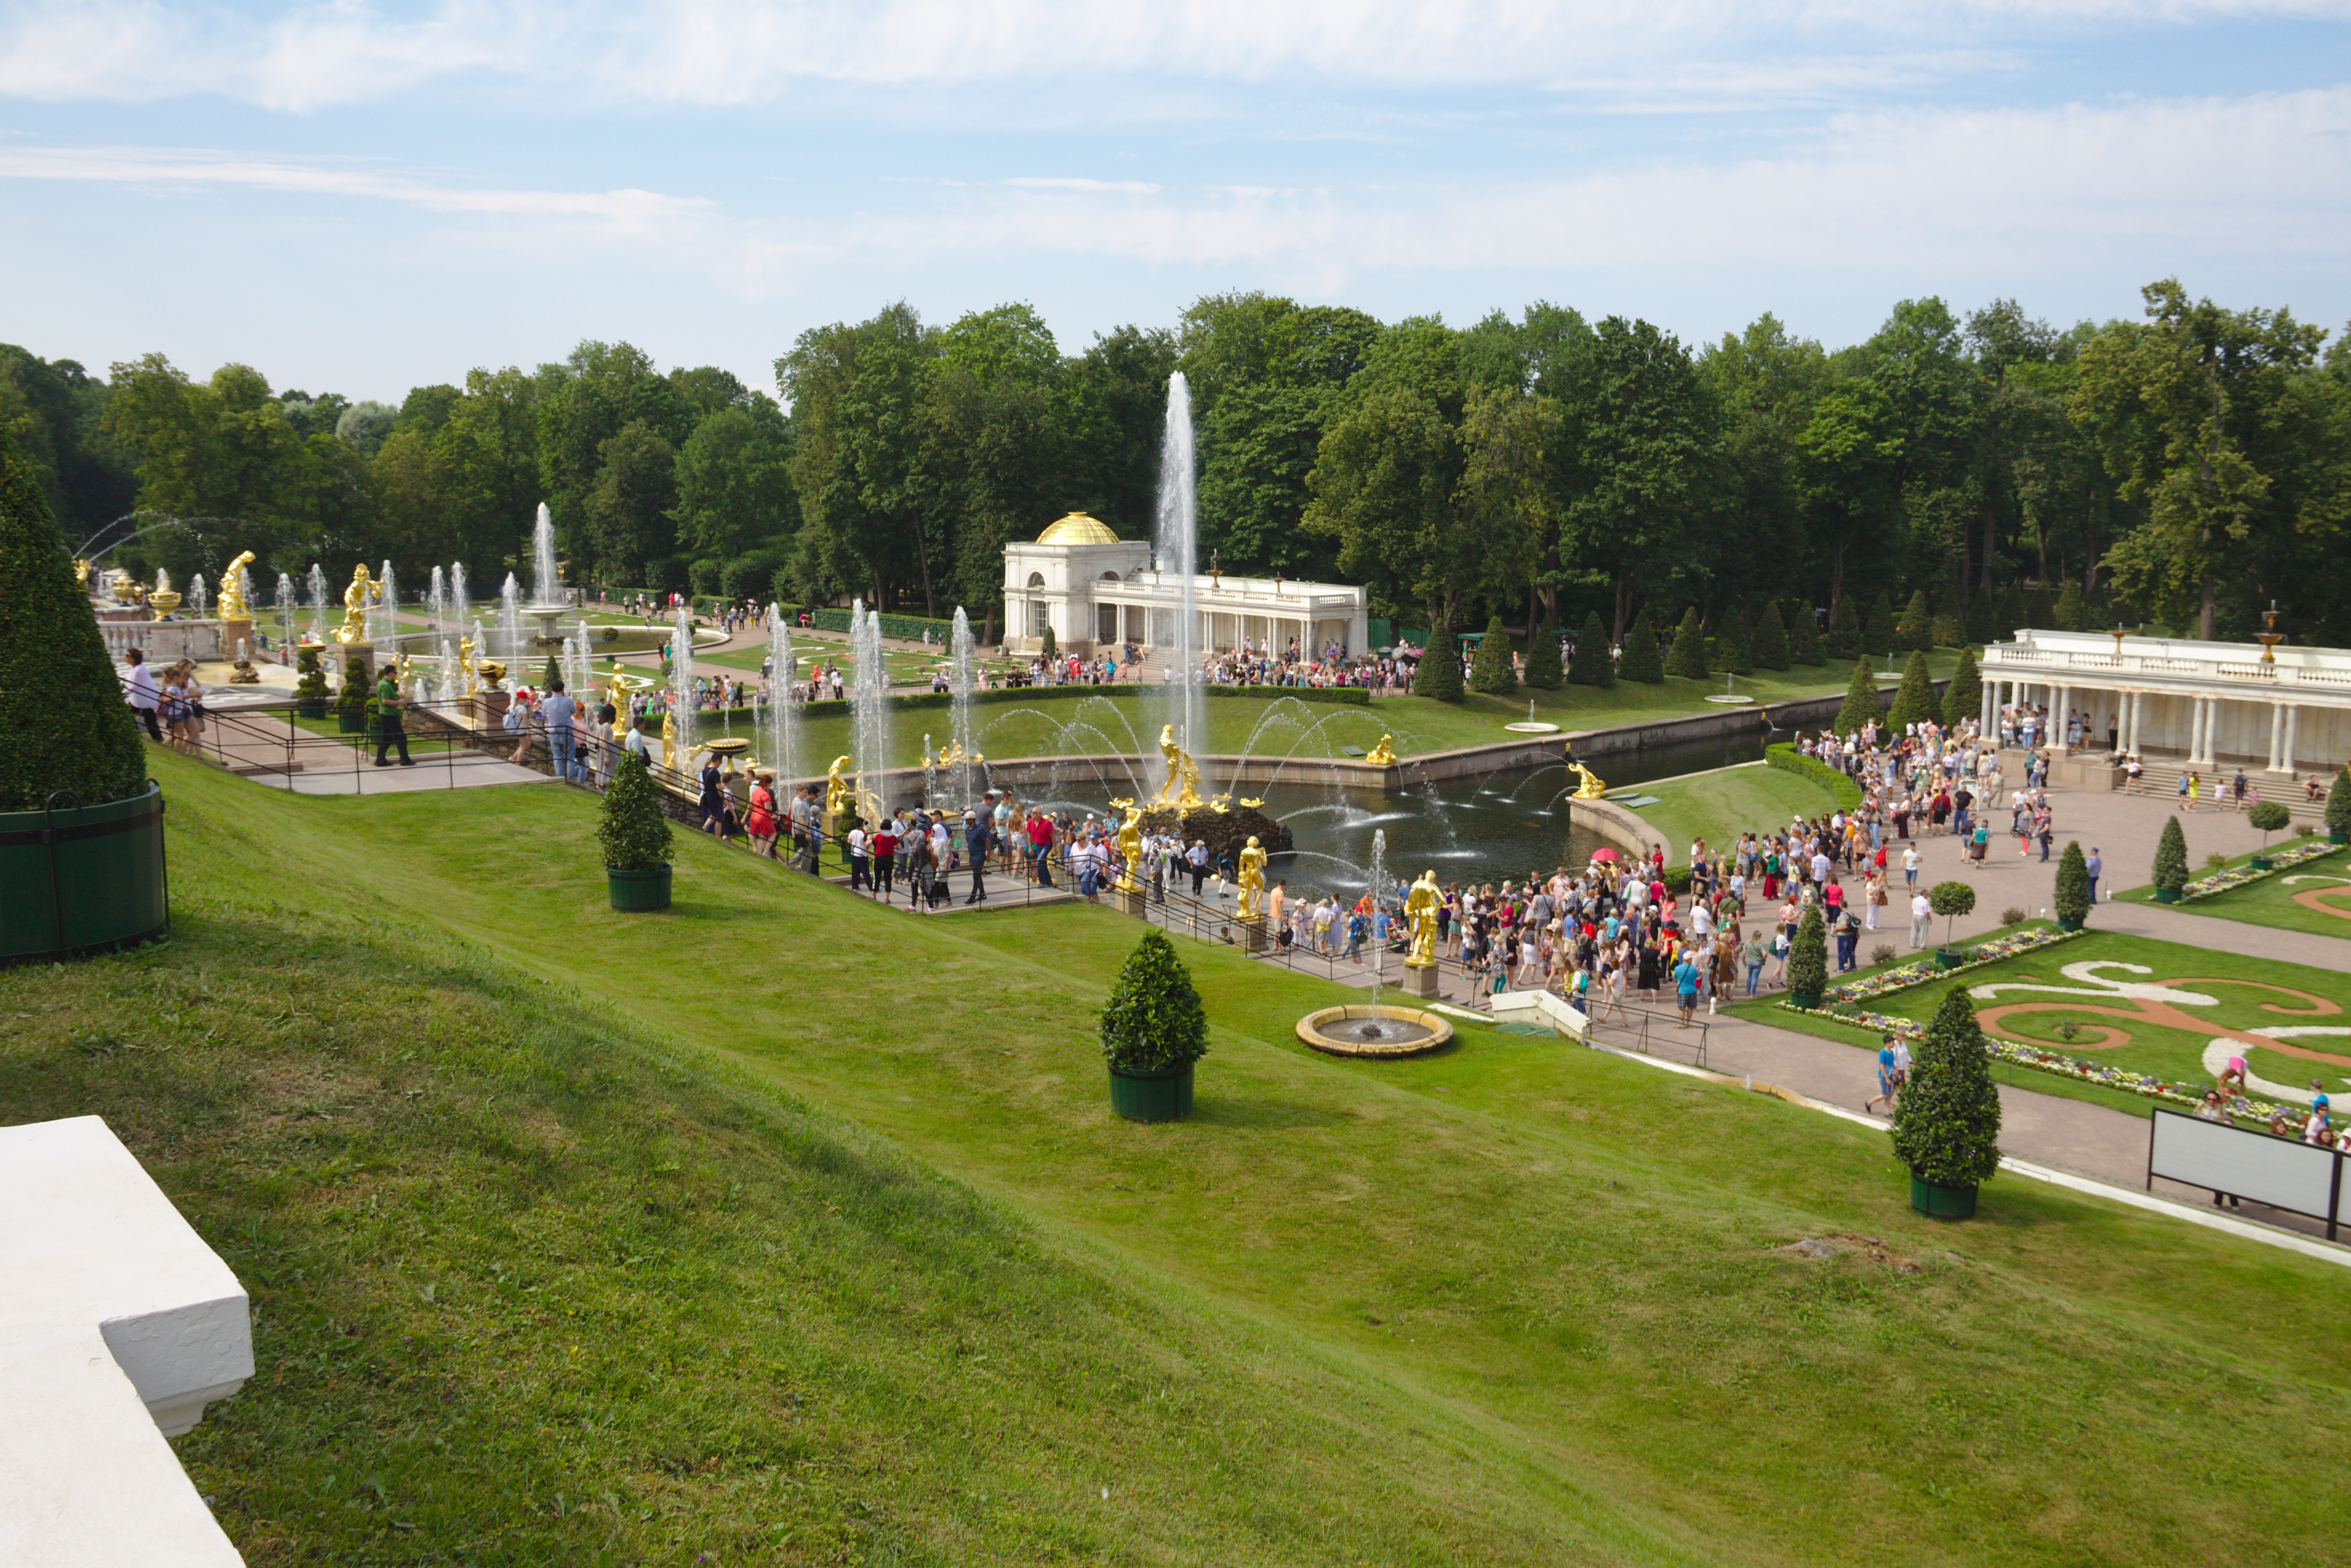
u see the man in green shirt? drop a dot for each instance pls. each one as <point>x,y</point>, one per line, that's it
<point>388,731</point>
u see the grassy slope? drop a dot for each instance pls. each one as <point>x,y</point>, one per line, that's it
<point>1565,1257</point>
<point>1720,805</point>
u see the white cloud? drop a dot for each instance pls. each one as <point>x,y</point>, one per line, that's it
<point>1136,187</point>
<point>300,56</point>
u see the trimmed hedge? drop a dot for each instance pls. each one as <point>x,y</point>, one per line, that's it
<point>1785,756</point>
<point>942,702</point>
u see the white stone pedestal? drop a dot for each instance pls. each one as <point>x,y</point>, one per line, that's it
<point>1420,982</point>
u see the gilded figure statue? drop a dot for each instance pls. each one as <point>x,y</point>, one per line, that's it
<point>81,574</point>
<point>1251,872</point>
<point>669,742</point>
<point>1130,845</point>
<point>836,788</point>
<point>1591,788</point>
<point>232,589</point>
<point>1384,755</point>
<point>356,600</point>
<point>1420,907</point>
<point>1183,786</point>
<point>466,666</point>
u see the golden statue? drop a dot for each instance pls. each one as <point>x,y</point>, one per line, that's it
<point>1130,845</point>
<point>1591,788</point>
<point>1252,881</point>
<point>232,589</point>
<point>81,575</point>
<point>466,664</point>
<point>1420,907</point>
<point>950,755</point>
<point>355,603</point>
<point>126,589</point>
<point>404,664</point>
<point>1183,786</point>
<point>1382,755</point>
<point>669,742</point>
<point>836,788</point>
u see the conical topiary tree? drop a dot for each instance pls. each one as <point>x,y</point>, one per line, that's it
<point>1879,634</point>
<point>1440,675</point>
<point>1862,703</point>
<point>2009,614</point>
<point>1544,672</point>
<point>1948,631</point>
<point>1916,632</point>
<point>1963,699</point>
<point>2338,807</point>
<point>1914,700</point>
<point>1592,666</point>
<point>1640,660</point>
<point>1730,650</point>
<point>1770,648</point>
<point>311,689</point>
<point>1803,635</point>
<point>1843,640</point>
<point>1153,1021</point>
<point>1808,960</point>
<point>2069,611</point>
<point>633,833</point>
<point>1946,1121</point>
<point>2039,608</point>
<point>1687,657</point>
<point>1982,620</point>
<point>2072,899</point>
<point>64,724</point>
<point>2170,860</point>
<point>352,697</point>
<point>1489,671</point>
<point>1049,650</point>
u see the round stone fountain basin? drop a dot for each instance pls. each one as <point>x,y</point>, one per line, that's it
<point>1362,1029</point>
<point>1532,727</point>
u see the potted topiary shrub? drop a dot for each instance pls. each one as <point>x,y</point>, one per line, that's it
<point>1808,960</point>
<point>635,838</point>
<point>2072,899</point>
<point>1950,901</point>
<point>82,824</point>
<point>351,701</point>
<point>1152,1031</point>
<point>311,691</point>
<point>2170,862</point>
<point>2338,808</point>
<point>2269,816</point>
<point>1947,1119</point>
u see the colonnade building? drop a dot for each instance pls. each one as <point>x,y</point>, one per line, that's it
<point>2202,704</point>
<point>1098,592</point>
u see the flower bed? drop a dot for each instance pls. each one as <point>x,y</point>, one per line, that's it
<point>1885,982</point>
<point>2238,876</point>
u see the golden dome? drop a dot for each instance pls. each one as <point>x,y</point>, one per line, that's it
<point>1077,528</point>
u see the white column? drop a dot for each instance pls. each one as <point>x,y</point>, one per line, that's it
<point>1990,705</point>
<point>2134,709</point>
<point>2277,733</point>
<point>2285,753</point>
<point>2209,747</point>
<point>2195,731</point>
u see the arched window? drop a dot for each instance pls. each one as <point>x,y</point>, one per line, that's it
<point>1110,577</point>
<point>1035,579</point>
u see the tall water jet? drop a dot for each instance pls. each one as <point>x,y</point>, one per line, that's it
<point>460,607</point>
<point>959,709</point>
<point>318,603</point>
<point>510,624</point>
<point>285,611</point>
<point>197,595</point>
<point>547,586</point>
<point>869,704</point>
<point>383,617</point>
<point>437,602</point>
<point>1379,901</point>
<point>780,746</point>
<point>1175,548</point>
<point>681,683</point>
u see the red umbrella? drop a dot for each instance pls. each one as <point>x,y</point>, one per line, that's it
<point>1604,855</point>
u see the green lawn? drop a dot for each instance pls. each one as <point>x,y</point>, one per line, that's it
<point>1721,805</point>
<point>2314,897</point>
<point>782,1227</point>
<point>2220,995</point>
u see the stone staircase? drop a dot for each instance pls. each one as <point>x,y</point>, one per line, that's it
<point>2162,778</point>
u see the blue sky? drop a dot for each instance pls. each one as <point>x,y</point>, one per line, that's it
<point>360,198</point>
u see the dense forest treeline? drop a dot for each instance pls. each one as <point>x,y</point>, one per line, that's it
<point>2188,467</point>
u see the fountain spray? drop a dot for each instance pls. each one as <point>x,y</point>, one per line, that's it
<point>285,612</point>
<point>1175,545</point>
<point>960,703</point>
<point>868,703</point>
<point>681,682</point>
<point>318,603</point>
<point>783,716</point>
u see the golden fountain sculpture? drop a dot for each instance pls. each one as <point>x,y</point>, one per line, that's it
<point>1420,907</point>
<point>1382,755</point>
<point>1129,845</point>
<point>466,666</point>
<point>356,600</point>
<point>1182,789</point>
<point>669,742</point>
<point>1251,874</point>
<point>161,599</point>
<point>836,788</point>
<point>81,574</point>
<point>1592,788</point>
<point>232,589</point>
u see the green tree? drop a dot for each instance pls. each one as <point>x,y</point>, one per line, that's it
<point>1116,393</point>
<point>1914,700</point>
<point>1544,672</point>
<point>2011,616</point>
<point>628,513</point>
<point>994,460</point>
<point>1808,959</point>
<point>733,482</point>
<point>2170,871</point>
<point>1946,1120</point>
<point>1963,699</point>
<point>1861,701</point>
<point>582,404</point>
<point>1731,651</point>
<point>1490,671</point>
<point>2070,615</point>
<point>2071,893</point>
<point>1803,636</point>
<point>1916,630</point>
<point>1950,901</point>
<point>1879,634</point>
<point>487,456</point>
<point>1385,484</point>
<point>1982,620</point>
<point>1639,661</point>
<point>1687,658</point>
<point>63,725</point>
<point>1592,666</point>
<point>860,395</point>
<point>1152,1021</point>
<point>2338,806</point>
<point>631,834</point>
<point>1771,643</point>
<point>1440,672</point>
<point>2039,608</point>
<point>1843,640</point>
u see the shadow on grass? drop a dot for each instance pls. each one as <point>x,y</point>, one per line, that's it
<point>1271,1114</point>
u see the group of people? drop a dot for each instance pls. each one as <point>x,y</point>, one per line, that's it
<point>171,709</point>
<point>2228,1098</point>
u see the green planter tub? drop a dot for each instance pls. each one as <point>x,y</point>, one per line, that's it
<point>1950,958</point>
<point>2167,894</point>
<point>638,889</point>
<point>1807,1000</point>
<point>350,722</point>
<point>2065,925</point>
<point>2261,863</point>
<point>1939,1203</point>
<point>82,879</point>
<point>1160,1097</point>
<point>310,707</point>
